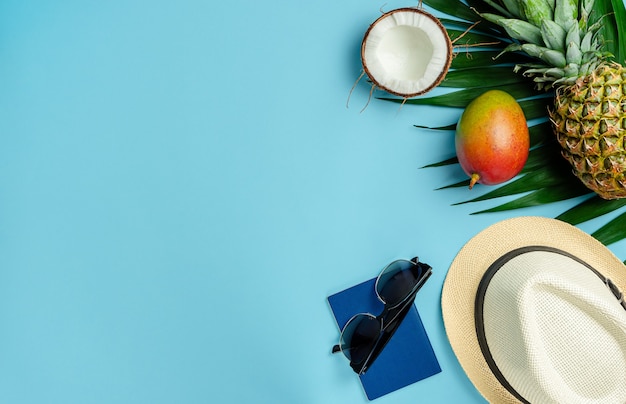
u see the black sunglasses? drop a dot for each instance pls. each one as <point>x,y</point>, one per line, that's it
<point>365,335</point>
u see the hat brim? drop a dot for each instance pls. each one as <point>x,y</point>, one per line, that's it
<point>467,269</point>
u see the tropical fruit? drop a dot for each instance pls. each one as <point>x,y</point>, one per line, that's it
<point>589,115</point>
<point>406,52</point>
<point>491,139</point>
<point>590,124</point>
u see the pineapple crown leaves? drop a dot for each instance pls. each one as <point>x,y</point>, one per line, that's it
<point>557,32</point>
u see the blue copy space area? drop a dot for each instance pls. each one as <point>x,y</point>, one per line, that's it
<point>184,183</point>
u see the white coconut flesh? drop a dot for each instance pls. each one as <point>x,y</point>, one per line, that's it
<point>406,52</point>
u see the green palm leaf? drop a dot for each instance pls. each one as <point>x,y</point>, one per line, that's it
<point>546,177</point>
<point>450,161</point>
<point>613,231</point>
<point>536,107</point>
<point>540,133</point>
<point>614,31</point>
<point>540,197</point>
<point>486,58</point>
<point>590,209</point>
<point>460,184</point>
<point>470,77</point>
<point>542,158</point>
<point>461,39</point>
<point>453,8</point>
<point>620,22</point>
<point>452,126</point>
<point>460,99</point>
<point>532,181</point>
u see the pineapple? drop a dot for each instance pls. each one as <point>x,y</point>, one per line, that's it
<point>589,115</point>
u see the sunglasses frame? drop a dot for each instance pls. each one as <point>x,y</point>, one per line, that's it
<point>390,318</point>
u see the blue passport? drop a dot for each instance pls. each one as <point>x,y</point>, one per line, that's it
<point>408,356</point>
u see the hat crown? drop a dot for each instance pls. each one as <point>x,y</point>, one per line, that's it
<point>551,328</point>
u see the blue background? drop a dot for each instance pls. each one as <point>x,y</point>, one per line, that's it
<point>181,187</point>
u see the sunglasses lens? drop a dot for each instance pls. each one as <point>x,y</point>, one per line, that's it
<point>397,281</point>
<point>359,336</point>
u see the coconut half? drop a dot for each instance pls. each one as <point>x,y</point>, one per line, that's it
<point>406,52</point>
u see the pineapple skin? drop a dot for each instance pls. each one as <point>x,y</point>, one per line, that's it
<point>589,120</point>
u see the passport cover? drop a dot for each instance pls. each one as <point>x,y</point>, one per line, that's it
<point>408,356</point>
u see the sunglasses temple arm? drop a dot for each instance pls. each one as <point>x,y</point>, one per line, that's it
<point>397,315</point>
<point>393,318</point>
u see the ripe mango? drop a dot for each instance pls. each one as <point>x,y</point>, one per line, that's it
<point>492,139</point>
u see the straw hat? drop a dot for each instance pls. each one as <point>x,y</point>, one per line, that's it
<point>534,313</point>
